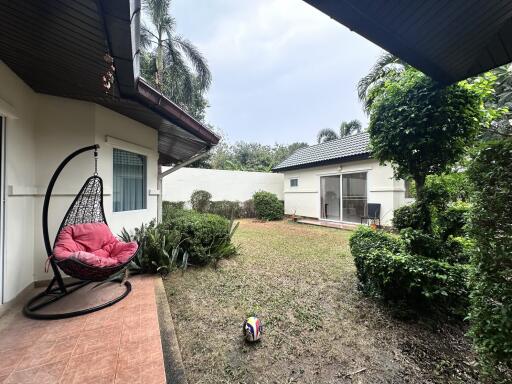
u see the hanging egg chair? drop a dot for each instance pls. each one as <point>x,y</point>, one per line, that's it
<point>84,247</point>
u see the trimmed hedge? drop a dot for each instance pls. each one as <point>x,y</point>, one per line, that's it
<point>408,216</point>
<point>268,206</point>
<point>386,270</point>
<point>491,227</point>
<point>206,237</point>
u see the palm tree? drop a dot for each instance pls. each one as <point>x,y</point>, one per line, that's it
<point>346,128</point>
<point>387,67</point>
<point>169,61</point>
<point>327,134</point>
<point>350,127</point>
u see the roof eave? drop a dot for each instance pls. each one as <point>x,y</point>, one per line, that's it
<point>155,100</point>
<point>338,160</point>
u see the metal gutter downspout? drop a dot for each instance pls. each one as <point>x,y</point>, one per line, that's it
<point>161,175</point>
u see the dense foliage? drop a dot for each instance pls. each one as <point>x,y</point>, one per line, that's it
<point>206,237</point>
<point>422,128</point>
<point>159,248</point>
<point>200,200</point>
<point>346,128</point>
<point>170,62</point>
<point>491,297</point>
<point>243,156</point>
<point>385,269</point>
<point>268,206</point>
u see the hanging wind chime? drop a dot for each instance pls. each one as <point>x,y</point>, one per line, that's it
<point>108,76</point>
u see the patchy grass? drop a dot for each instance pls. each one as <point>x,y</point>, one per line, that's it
<point>300,280</point>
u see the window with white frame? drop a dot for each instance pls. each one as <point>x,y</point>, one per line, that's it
<point>294,182</point>
<point>129,187</point>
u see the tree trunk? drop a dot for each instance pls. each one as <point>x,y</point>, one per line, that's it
<point>159,60</point>
<point>423,204</point>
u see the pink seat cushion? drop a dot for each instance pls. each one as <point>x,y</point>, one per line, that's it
<point>92,244</point>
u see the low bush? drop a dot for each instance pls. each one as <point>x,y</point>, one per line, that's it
<point>385,269</point>
<point>226,208</point>
<point>200,200</point>
<point>425,244</point>
<point>248,210</point>
<point>172,209</point>
<point>268,206</point>
<point>206,237</point>
<point>491,296</point>
<point>452,220</point>
<point>408,216</point>
<point>159,248</point>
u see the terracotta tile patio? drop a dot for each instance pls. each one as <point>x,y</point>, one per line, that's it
<point>119,344</point>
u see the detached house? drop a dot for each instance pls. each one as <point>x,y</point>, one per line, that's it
<point>336,181</point>
<point>58,93</point>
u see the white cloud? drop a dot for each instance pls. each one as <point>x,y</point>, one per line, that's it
<point>281,69</point>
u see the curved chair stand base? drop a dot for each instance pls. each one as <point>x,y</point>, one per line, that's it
<point>52,295</point>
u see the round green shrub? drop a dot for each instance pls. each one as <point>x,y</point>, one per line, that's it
<point>206,237</point>
<point>408,216</point>
<point>268,206</point>
<point>452,220</point>
<point>200,200</point>
<point>385,269</point>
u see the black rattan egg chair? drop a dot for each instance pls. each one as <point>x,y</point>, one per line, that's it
<point>87,207</point>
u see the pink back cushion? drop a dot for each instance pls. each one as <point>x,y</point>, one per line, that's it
<point>92,244</point>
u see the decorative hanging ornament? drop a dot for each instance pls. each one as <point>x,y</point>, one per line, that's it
<point>108,77</point>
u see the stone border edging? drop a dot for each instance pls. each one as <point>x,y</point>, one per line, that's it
<point>174,369</point>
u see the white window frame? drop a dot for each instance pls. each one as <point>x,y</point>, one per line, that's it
<point>294,178</point>
<point>145,189</point>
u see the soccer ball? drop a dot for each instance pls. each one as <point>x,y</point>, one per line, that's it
<point>252,329</point>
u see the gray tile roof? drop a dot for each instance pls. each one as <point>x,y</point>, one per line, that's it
<point>330,151</point>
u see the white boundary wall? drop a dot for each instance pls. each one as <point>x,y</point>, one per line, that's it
<point>223,185</point>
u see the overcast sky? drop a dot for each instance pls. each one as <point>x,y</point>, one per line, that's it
<point>281,69</point>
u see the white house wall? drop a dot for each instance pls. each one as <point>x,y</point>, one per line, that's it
<point>48,129</point>
<point>304,200</point>
<point>20,171</point>
<point>223,185</point>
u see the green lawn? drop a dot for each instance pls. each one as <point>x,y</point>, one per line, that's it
<point>300,280</point>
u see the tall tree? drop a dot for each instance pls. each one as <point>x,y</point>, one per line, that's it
<point>346,128</point>
<point>326,134</point>
<point>350,127</point>
<point>170,62</point>
<point>422,128</point>
<point>387,67</point>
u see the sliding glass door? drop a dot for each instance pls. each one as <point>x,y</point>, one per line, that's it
<point>354,196</point>
<point>330,197</point>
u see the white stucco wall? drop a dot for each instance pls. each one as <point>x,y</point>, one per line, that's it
<point>47,129</point>
<point>304,200</point>
<point>223,185</point>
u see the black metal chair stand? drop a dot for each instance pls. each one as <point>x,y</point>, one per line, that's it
<point>87,207</point>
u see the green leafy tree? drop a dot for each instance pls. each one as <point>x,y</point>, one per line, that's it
<point>170,62</point>
<point>387,68</point>
<point>422,128</point>
<point>243,156</point>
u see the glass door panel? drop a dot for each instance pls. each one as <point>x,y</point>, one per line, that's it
<point>354,197</point>
<point>330,197</point>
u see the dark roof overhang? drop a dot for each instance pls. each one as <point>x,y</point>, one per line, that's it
<point>57,48</point>
<point>447,40</point>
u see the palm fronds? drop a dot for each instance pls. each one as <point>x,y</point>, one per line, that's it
<point>326,134</point>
